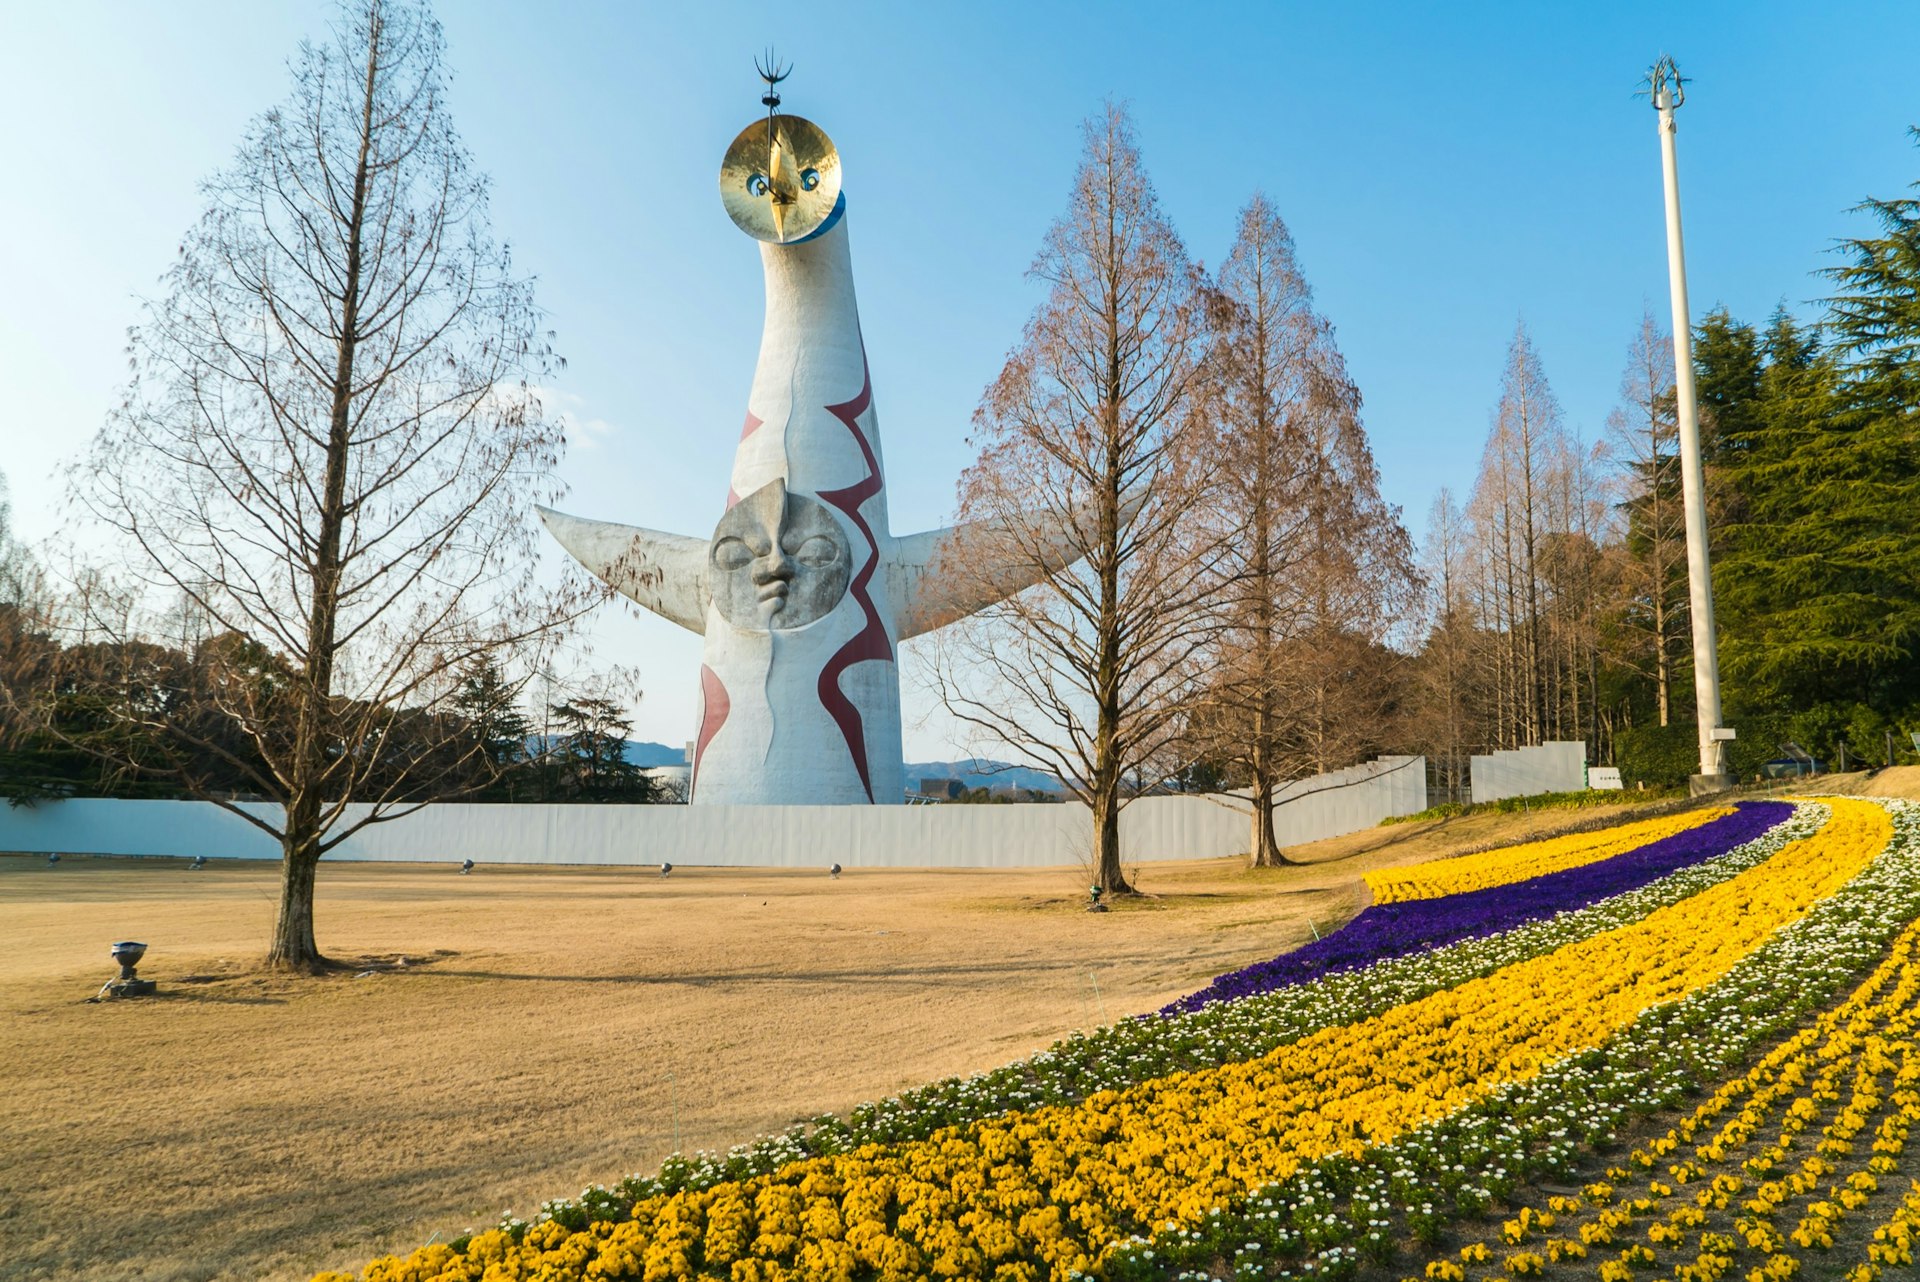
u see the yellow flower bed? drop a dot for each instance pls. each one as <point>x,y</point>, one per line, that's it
<point>1517,863</point>
<point>1753,1185</point>
<point>1045,1193</point>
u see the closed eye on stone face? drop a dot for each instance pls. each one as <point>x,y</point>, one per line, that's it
<point>732,554</point>
<point>817,550</point>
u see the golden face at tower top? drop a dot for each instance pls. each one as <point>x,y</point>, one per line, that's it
<point>780,179</point>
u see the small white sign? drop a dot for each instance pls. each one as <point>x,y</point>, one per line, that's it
<point>1721,734</point>
<point>1604,777</point>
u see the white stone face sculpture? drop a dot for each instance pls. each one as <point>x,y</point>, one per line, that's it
<point>802,592</point>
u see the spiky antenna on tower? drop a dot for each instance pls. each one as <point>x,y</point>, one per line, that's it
<point>773,73</point>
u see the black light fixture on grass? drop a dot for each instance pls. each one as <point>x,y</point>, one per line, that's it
<point>466,866</point>
<point>665,869</point>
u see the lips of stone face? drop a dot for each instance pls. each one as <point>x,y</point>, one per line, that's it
<point>778,561</point>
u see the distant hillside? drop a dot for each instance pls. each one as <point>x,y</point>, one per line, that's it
<point>980,772</point>
<point>644,754</point>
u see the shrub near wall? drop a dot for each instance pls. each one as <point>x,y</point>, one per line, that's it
<point>1658,756</point>
<point>1667,756</point>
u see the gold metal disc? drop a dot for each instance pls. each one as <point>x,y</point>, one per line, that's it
<point>780,179</point>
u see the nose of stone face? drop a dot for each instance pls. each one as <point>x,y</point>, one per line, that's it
<point>775,567</point>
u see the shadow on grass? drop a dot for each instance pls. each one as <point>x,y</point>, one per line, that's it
<point>888,974</point>
<point>193,997</point>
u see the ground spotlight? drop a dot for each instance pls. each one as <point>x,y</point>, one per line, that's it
<point>199,862</point>
<point>53,857</point>
<point>665,869</point>
<point>1093,899</point>
<point>834,872</point>
<point>466,866</point>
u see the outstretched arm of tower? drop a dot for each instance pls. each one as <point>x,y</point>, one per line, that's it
<point>942,576</point>
<point>666,573</point>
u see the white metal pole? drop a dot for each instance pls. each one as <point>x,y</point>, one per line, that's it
<point>1706,663</point>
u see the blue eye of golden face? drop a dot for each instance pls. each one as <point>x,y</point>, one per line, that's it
<point>757,185</point>
<point>809,179</point>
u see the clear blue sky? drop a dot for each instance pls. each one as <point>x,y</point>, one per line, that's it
<point>1446,170</point>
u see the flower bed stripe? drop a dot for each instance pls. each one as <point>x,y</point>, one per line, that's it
<point>1415,925</point>
<point>1726,1190</point>
<point>1731,1196</point>
<point>1336,1211</point>
<point>1051,1191</point>
<point>1533,859</point>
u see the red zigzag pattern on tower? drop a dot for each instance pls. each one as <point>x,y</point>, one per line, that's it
<point>872,641</point>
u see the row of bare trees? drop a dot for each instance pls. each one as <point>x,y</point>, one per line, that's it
<point>1195,444</point>
<point>1563,573</point>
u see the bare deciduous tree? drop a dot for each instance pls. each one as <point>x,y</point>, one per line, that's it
<point>1310,561</point>
<point>1573,579</point>
<point>26,647</point>
<point>1451,679</point>
<point>19,577</point>
<point>1087,456</point>
<point>1508,510</point>
<point>1515,638</point>
<point>1654,602</point>
<point>331,445</point>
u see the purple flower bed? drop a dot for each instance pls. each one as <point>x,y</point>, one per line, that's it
<point>1416,925</point>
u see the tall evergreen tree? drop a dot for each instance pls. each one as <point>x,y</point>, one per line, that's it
<point>1727,365</point>
<point>489,703</point>
<point>1817,557</point>
<point>1875,318</point>
<point>1874,330</point>
<point>592,753</point>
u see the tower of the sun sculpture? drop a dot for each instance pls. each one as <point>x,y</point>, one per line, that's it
<point>802,593</point>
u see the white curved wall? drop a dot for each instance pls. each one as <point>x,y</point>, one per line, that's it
<point>988,836</point>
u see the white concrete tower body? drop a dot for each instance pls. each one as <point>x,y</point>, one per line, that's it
<point>802,593</point>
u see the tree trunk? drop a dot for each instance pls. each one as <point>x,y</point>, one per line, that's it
<point>1107,873</point>
<point>1662,676</point>
<point>293,945</point>
<point>1265,845</point>
<point>1107,658</point>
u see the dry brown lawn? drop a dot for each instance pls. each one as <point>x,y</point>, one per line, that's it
<point>552,1027</point>
<point>1895,781</point>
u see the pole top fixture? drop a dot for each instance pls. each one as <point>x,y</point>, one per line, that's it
<point>1665,86</point>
